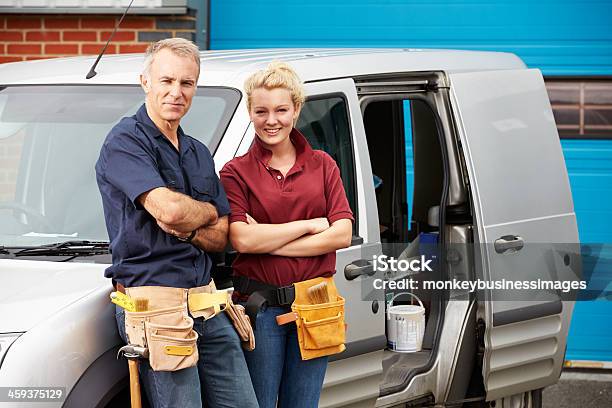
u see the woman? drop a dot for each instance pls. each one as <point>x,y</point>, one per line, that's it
<point>289,216</point>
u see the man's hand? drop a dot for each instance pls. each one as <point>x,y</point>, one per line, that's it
<point>169,230</point>
<point>212,238</point>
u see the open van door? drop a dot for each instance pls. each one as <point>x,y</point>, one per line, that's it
<point>331,121</point>
<point>524,221</point>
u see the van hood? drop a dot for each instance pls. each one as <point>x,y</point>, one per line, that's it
<point>32,291</point>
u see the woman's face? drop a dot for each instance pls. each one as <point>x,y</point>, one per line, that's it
<point>273,114</point>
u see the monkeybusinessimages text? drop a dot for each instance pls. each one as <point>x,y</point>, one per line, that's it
<point>387,264</point>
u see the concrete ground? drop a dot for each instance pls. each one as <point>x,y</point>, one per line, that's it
<point>580,389</point>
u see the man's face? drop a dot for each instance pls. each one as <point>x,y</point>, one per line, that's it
<point>170,86</point>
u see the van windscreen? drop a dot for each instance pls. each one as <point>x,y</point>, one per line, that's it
<point>50,138</point>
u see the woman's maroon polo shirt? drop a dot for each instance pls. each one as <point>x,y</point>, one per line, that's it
<point>311,189</point>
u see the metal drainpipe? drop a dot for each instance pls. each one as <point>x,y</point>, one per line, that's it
<point>202,8</point>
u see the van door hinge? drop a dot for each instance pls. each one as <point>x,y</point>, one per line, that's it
<point>432,86</point>
<point>480,335</point>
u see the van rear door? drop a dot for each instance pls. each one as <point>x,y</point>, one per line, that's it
<point>523,211</point>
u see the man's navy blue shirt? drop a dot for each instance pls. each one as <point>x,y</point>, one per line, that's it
<point>135,158</point>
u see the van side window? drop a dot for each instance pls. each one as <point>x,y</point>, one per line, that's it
<point>325,123</point>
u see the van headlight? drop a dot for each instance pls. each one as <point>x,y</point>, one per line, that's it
<point>5,342</point>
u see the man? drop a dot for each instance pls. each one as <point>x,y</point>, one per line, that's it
<point>165,209</point>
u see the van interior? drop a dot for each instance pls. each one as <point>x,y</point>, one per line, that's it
<point>405,155</point>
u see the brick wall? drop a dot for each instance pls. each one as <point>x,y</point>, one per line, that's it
<point>28,37</point>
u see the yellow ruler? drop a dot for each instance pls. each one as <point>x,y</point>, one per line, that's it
<point>123,300</point>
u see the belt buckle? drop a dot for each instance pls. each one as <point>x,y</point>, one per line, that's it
<point>283,294</point>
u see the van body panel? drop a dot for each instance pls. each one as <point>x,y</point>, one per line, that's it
<point>352,382</point>
<point>520,192</point>
<point>29,293</point>
<point>229,67</point>
<point>57,351</point>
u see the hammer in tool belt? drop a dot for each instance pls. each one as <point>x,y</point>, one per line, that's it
<point>133,353</point>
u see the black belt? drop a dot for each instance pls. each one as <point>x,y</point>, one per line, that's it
<point>262,294</point>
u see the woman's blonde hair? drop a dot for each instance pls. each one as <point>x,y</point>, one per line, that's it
<point>276,75</point>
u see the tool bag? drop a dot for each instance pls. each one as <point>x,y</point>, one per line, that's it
<point>320,326</point>
<point>166,328</point>
<point>207,302</point>
<point>242,324</point>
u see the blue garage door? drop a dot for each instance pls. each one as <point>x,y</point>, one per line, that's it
<point>569,38</point>
<point>589,164</point>
<point>559,37</point>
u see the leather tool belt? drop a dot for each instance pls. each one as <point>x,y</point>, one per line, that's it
<point>165,328</point>
<point>262,295</point>
<point>320,325</point>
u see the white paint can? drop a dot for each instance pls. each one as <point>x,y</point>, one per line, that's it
<point>405,325</point>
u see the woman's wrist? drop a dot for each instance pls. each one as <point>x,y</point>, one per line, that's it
<point>311,227</point>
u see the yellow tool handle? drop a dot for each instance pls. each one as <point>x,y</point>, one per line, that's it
<point>123,300</point>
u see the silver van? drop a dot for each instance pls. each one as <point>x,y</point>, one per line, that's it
<point>458,146</point>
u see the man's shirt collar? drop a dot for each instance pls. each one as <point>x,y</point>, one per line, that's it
<point>153,131</point>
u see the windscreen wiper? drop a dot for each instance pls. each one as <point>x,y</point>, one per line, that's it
<point>67,248</point>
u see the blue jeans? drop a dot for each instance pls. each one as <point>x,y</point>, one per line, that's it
<point>277,369</point>
<point>221,378</point>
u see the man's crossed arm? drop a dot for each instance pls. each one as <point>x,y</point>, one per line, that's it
<point>179,215</point>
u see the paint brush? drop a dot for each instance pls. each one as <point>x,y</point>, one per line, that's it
<point>141,304</point>
<point>318,293</point>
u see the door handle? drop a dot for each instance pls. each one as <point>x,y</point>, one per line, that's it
<point>509,242</point>
<point>355,240</point>
<point>357,268</point>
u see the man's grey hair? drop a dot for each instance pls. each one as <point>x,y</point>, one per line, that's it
<point>178,46</point>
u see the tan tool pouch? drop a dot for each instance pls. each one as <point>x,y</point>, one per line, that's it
<point>171,347</point>
<point>166,329</point>
<point>242,324</point>
<point>320,326</point>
